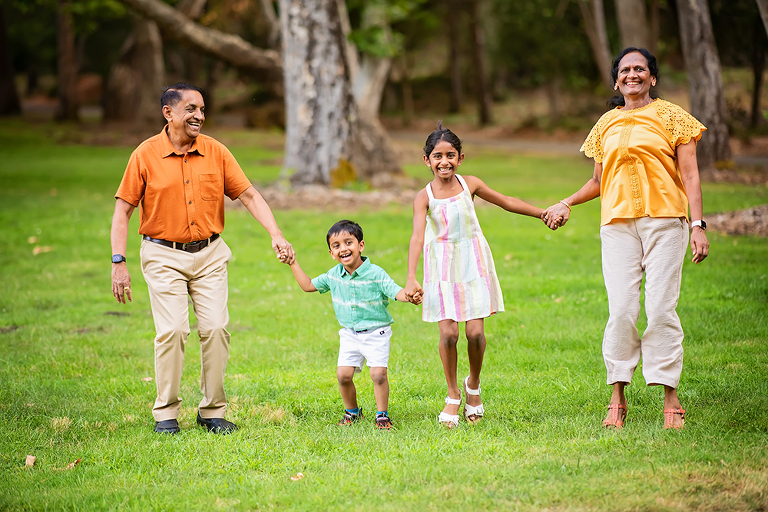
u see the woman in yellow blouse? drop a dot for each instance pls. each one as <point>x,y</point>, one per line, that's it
<point>647,177</point>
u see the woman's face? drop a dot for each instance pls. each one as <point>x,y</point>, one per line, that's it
<point>634,79</point>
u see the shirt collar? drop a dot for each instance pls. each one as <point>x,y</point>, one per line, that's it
<point>362,269</point>
<point>169,150</point>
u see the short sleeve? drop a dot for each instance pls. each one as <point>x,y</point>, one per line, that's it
<point>235,180</point>
<point>134,182</point>
<point>322,283</point>
<point>681,126</point>
<point>593,146</point>
<point>387,285</point>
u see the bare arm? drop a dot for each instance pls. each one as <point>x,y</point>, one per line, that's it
<point>420,204</point>
<point>301,277</point>
<point>121,278</point>
<point>260,210</point>
<point>689,172</point>
<point>511,204</point>
<point>588,192</point>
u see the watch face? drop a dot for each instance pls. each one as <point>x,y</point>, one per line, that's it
<point>118,258</point>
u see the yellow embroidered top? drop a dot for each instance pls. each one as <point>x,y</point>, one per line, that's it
<point>638,151</point>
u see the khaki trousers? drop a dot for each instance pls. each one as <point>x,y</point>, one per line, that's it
<point>173,275</point>
<point>630,248</point>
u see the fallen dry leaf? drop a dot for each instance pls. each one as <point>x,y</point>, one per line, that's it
<point>68,466</point>
<point>32,240</point>
<point>559,299</point>
<point>147,379</point>
<point>41,249</point>
<point>297,477</point>
<point>30,460</point>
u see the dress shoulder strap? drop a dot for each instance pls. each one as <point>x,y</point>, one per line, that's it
<point>463,183</point>
<point>429,191</point>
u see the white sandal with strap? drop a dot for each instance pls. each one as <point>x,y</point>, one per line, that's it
<point>450,420</point>
<point>472,413</point>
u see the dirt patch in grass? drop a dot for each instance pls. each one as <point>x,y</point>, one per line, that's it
<point>752,221</point>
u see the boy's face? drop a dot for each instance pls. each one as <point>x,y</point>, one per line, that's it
<point>345,249</point>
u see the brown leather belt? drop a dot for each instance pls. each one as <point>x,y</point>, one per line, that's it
<point>191,247</point>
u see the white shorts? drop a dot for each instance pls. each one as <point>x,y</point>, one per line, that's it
<point>371,345</point>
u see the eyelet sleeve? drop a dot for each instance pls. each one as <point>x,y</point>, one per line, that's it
<point>593,146</point>
<point>681,127</point>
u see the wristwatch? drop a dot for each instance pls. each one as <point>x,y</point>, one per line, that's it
<point>118,258</point>
<point>700,223</point>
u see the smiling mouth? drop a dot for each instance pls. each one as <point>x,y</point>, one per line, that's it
<point>345,255</point>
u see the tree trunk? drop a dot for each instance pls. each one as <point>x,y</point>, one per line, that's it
<point>633,23</point>
<point>136,79</point>
<point>9,97</point>
<point>454,67</point>
<point>327,141</point>
<point>483,93</point>
<point>762,5</point>
<point>368,84</point>
<point>67,65</point>
<point>758,66</point>
<point>594,25</point>
<point>705,82</point>
<point>654,27</point>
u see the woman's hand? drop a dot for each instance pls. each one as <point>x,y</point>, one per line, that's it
<point>699,245</point>
<point>556,216</point>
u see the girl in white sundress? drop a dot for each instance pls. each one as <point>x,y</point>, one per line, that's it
<point>460,283</point>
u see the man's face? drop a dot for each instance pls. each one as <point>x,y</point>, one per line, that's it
<point>187,116</point>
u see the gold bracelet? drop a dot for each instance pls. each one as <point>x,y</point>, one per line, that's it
<point>566,204</point>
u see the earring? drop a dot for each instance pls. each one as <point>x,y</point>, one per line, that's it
<point>616,86</point>
<point>653,84</point>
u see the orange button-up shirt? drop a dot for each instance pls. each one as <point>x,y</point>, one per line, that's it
<point>638,151</point>
<point>181,196</point>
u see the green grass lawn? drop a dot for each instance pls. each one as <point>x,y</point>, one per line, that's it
<point>73,379</point>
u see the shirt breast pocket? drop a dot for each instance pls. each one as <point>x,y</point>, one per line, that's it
<point>211,187</point>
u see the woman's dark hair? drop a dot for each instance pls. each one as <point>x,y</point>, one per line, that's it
<point>653,68</point>
<point>345,226</point>
<point>171,95</point>
<point>441,134</point>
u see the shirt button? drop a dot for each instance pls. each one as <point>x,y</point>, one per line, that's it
<point>185,160</point>
<point>187,181</point>
<point>192,224</point>
<point>190,202</point>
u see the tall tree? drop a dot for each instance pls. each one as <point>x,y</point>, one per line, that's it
<point>594,25</point>
<point>69,103</point>
<point>9,97</point>
<point>633,23</point>
<point>763,6</point>
<point>482,89</point>
<point>705,81</point>
<point>326,138</point>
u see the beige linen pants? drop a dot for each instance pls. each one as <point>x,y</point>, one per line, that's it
<point>656,247</point>
<point>171,276</point>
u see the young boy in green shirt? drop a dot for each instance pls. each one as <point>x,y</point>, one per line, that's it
<point>360,291</point>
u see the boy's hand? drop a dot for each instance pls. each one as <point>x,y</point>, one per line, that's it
<point>412,287</point>
<point>416,298</point>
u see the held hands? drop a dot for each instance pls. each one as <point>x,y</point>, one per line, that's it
<point>284,250</point>
<point>413,291</point>
<point>556,216</point>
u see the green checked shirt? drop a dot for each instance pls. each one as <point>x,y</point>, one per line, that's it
<point>360,299</point>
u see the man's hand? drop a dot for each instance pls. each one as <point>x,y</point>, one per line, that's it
<point>284,250</point>
<point>121,282</point>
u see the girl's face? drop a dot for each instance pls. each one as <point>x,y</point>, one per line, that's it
<point>444,160</point>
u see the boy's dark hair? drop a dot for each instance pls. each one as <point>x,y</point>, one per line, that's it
<point>345,226</point>
<point>172,95</point>
<point>653,69</point>
<point>441,134</point>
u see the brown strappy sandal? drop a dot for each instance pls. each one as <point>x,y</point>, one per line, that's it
<point>616,415</point>
<point>669,418</point>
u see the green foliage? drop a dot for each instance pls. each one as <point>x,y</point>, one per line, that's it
<point>72,382</point>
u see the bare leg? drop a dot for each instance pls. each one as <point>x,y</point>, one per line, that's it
<point>671,401</point>
<point>345,374</point>
<point>449,336</point>
<point>380,387</point>
<point>615,416</point>
<point>475,351</point>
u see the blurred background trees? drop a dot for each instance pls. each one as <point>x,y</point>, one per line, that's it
<point>334,73</point>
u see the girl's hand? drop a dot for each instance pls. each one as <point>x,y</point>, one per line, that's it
<point>556,216</point>
<point>412,289</point>
<point>417,298</point>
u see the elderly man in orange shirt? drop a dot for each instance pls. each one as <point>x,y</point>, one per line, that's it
<point>179,179</point>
